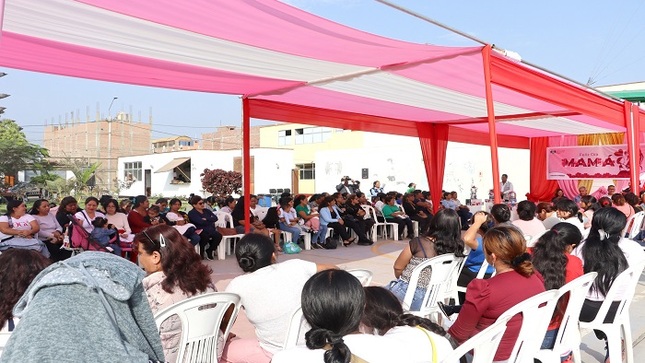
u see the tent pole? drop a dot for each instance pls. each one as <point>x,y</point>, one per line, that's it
<point>632,146</point>
<point>432,21</point>
<point>246,162</point>
<point>492,133</point>
<point>637,143</point>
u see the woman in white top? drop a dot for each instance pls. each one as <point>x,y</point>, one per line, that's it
<point>118,219</point>
<point>605,251</point>
<point>85,217</point>
<point>51,232</point>
<point>384,316</point>
<point>333,302</point>
<point>18,229</point>
<point>17,268</point>
<point>527,223</point>
<point>270,294</point>
<point>289,218</point>
<point>228,205</point>
<point>568,211</point>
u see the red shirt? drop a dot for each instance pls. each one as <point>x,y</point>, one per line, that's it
<point>487,300</point>
<point>136,222</point>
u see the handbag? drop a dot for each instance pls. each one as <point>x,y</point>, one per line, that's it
<point>291,248</point>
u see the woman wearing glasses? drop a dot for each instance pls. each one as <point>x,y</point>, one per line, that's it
<point>175,273</point>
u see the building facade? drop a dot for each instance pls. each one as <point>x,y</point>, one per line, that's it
<point>102,141</point>
<point>179,173</point>
<point>229,138</point>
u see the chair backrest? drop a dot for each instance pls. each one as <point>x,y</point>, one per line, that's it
<point>363,275</point>
<point>569,332</point>
<point>536,315</point>
<point>622,289</point>
<point>296,327</point>
<point>442,268</point>
<point>483,344</point>
<point>633,225</point>
<point>201,317</point>
<point>371,212</point>
<point>260,212</point>
<point>224,219</point>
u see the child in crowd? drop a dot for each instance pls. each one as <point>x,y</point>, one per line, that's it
<point>154,216</point>
<point>106,235</point>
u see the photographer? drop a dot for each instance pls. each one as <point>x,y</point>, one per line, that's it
<point>346,186</point>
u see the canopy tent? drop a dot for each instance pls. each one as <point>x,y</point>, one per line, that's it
<point>292,66</point>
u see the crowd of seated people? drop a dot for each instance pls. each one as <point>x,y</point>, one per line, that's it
<point>372,327</point>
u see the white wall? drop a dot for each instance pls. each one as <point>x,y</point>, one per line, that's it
<point>396,161</point>
<point>272,167</point>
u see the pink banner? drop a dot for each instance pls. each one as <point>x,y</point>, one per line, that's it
<point>590,162</point>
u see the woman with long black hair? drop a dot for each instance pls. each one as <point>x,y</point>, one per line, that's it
<point>606,252</point>
<point>384,316</point>
<point>552,258</point>
<point>444,236</point>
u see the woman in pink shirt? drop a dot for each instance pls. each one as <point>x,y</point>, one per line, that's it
<point>621,204</point>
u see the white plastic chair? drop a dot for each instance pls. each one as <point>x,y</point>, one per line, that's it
<point>363,275</point>
<point>483,344</point>
<point>634,224</point>
<point>442,268</point>
<point>620,327</point>
<point>260,212</point>
<point>536,315</point>
<point>383,226</point>
<point>201,317</point>
<point>480,275</point>
<point>298,324</point>
<point>568,337</point>
<point>225,220</point>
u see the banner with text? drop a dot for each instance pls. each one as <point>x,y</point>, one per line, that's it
<point>590,162</point>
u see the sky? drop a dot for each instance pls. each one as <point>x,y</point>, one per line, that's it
<point>585,41</point>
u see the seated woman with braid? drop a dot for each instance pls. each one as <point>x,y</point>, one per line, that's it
<point>333,302</point>
<point>384,316</point>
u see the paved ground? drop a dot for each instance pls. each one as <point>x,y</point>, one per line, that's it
<point>380,257</point>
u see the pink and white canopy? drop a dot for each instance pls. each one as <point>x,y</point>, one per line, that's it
<point>293,66</point>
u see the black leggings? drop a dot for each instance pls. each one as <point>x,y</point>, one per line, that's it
<point>402,222</point>
<point>340,230</point>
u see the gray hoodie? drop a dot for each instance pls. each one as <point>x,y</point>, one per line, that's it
<point>89,308</point>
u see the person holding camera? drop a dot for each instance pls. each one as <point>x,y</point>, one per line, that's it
<point>345,186</point>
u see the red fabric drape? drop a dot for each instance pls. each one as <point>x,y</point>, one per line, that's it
<point>542,190</point>
<point>434,141</point>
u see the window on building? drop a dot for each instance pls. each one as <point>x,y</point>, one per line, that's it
<point>312,135</point>
<point>283,137</point>
<point>307,171</point>
<point>133,171</point>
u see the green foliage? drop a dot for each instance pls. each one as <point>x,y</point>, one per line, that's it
<point>221,183</point>
<point>42,179</point>
<point>17,153</point>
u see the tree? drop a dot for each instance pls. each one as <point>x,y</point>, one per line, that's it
<point>17,153</point>
<point>221,183</point>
